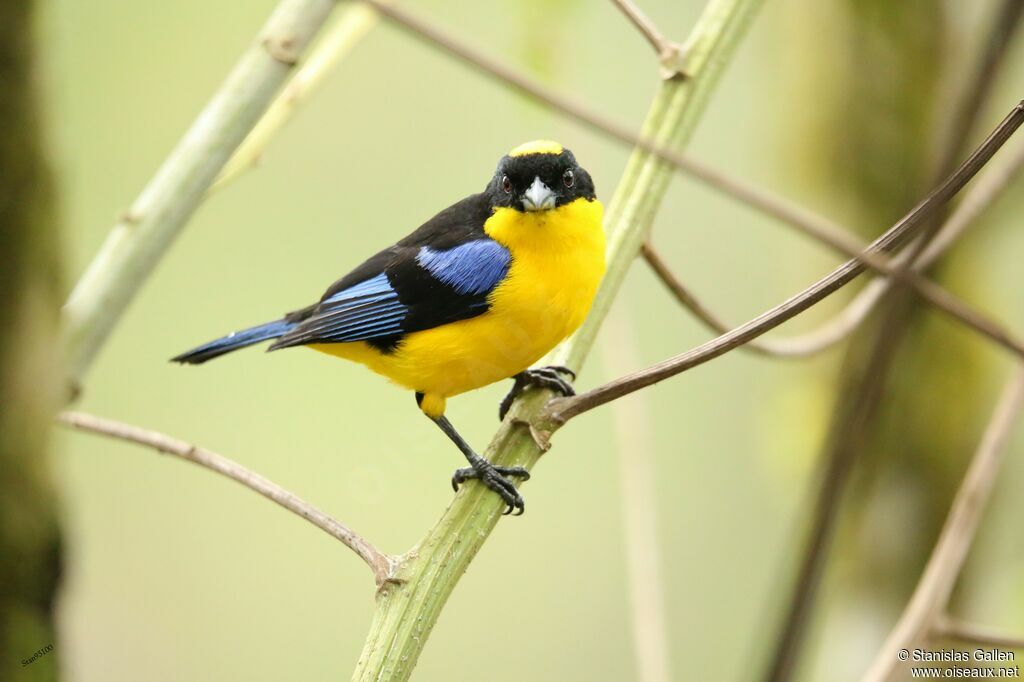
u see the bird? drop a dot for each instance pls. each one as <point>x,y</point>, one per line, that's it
<point>475,295</point>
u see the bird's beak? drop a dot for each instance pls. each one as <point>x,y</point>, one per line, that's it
<point>538,197</point>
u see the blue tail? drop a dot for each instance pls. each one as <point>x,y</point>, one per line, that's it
<point>234,341</point>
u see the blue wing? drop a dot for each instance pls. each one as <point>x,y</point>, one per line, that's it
<point>367,310</point>
<point>421,287</point>
<point>475,267</point>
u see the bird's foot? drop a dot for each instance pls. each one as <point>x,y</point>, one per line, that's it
<point>497,479</point>
<point>541,377</point>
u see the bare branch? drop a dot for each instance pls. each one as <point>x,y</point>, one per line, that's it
<point>931,595</point>
<point>989,186</point>
<point>829,333</point>
<point>849,246</point>
<point>953,629</point>
<point>562,409</point>
<point>994,48</point>
<point>813,225</point>
<point>670,54</point>
<point>382,565</point>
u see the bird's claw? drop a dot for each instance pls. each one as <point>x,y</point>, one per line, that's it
<point>541,377</point>
<point>497,479</point>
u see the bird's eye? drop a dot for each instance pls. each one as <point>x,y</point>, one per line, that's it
<point>568,179</point>
<point>506,184</point>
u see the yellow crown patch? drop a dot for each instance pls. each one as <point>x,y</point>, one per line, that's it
<point>537,147</point>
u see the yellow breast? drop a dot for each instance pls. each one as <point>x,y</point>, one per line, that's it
<point>557,264</point>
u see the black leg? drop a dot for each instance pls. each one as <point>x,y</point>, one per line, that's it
<point>494,477</point>
<point>542,377</point>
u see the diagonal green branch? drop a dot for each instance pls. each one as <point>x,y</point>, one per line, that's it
<point>406,611</point>
<point>349,25</point>
<point>144,232</point>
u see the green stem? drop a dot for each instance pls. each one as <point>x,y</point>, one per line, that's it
<point>670,123</point>
<point>142,235</point>
<point>408,607</point>
<point>351,23</point>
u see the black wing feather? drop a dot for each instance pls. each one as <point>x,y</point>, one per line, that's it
<point>392,293</point>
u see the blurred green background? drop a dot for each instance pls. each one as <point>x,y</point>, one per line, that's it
<point>176,574</point>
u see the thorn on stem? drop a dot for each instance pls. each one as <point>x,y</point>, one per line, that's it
<point>673,58</point>
<point>541,438</point>
<point>128,217</point>
<point>282,49</point>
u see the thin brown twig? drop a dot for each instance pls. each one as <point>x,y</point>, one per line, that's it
<point>830,332</point>
<point>990,185</point>
<point>844,243</point>
<point>382,565</point>
<point>563,409</point>
<point>985,190</point>
<point>670,54</point>
<point>954,629</point>
<point>826,335</point>
<point>688,300</point>
<point>821,229</point>
<point>923,287</point>
<point>643,24</point>
<point>834,330</point>
<point>1004,25</point>
<point>965,115</point>
<point>932,593</point>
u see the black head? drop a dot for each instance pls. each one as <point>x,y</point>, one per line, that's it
<point>537,176</point>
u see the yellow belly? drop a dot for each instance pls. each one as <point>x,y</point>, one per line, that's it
<point>557,264</point>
